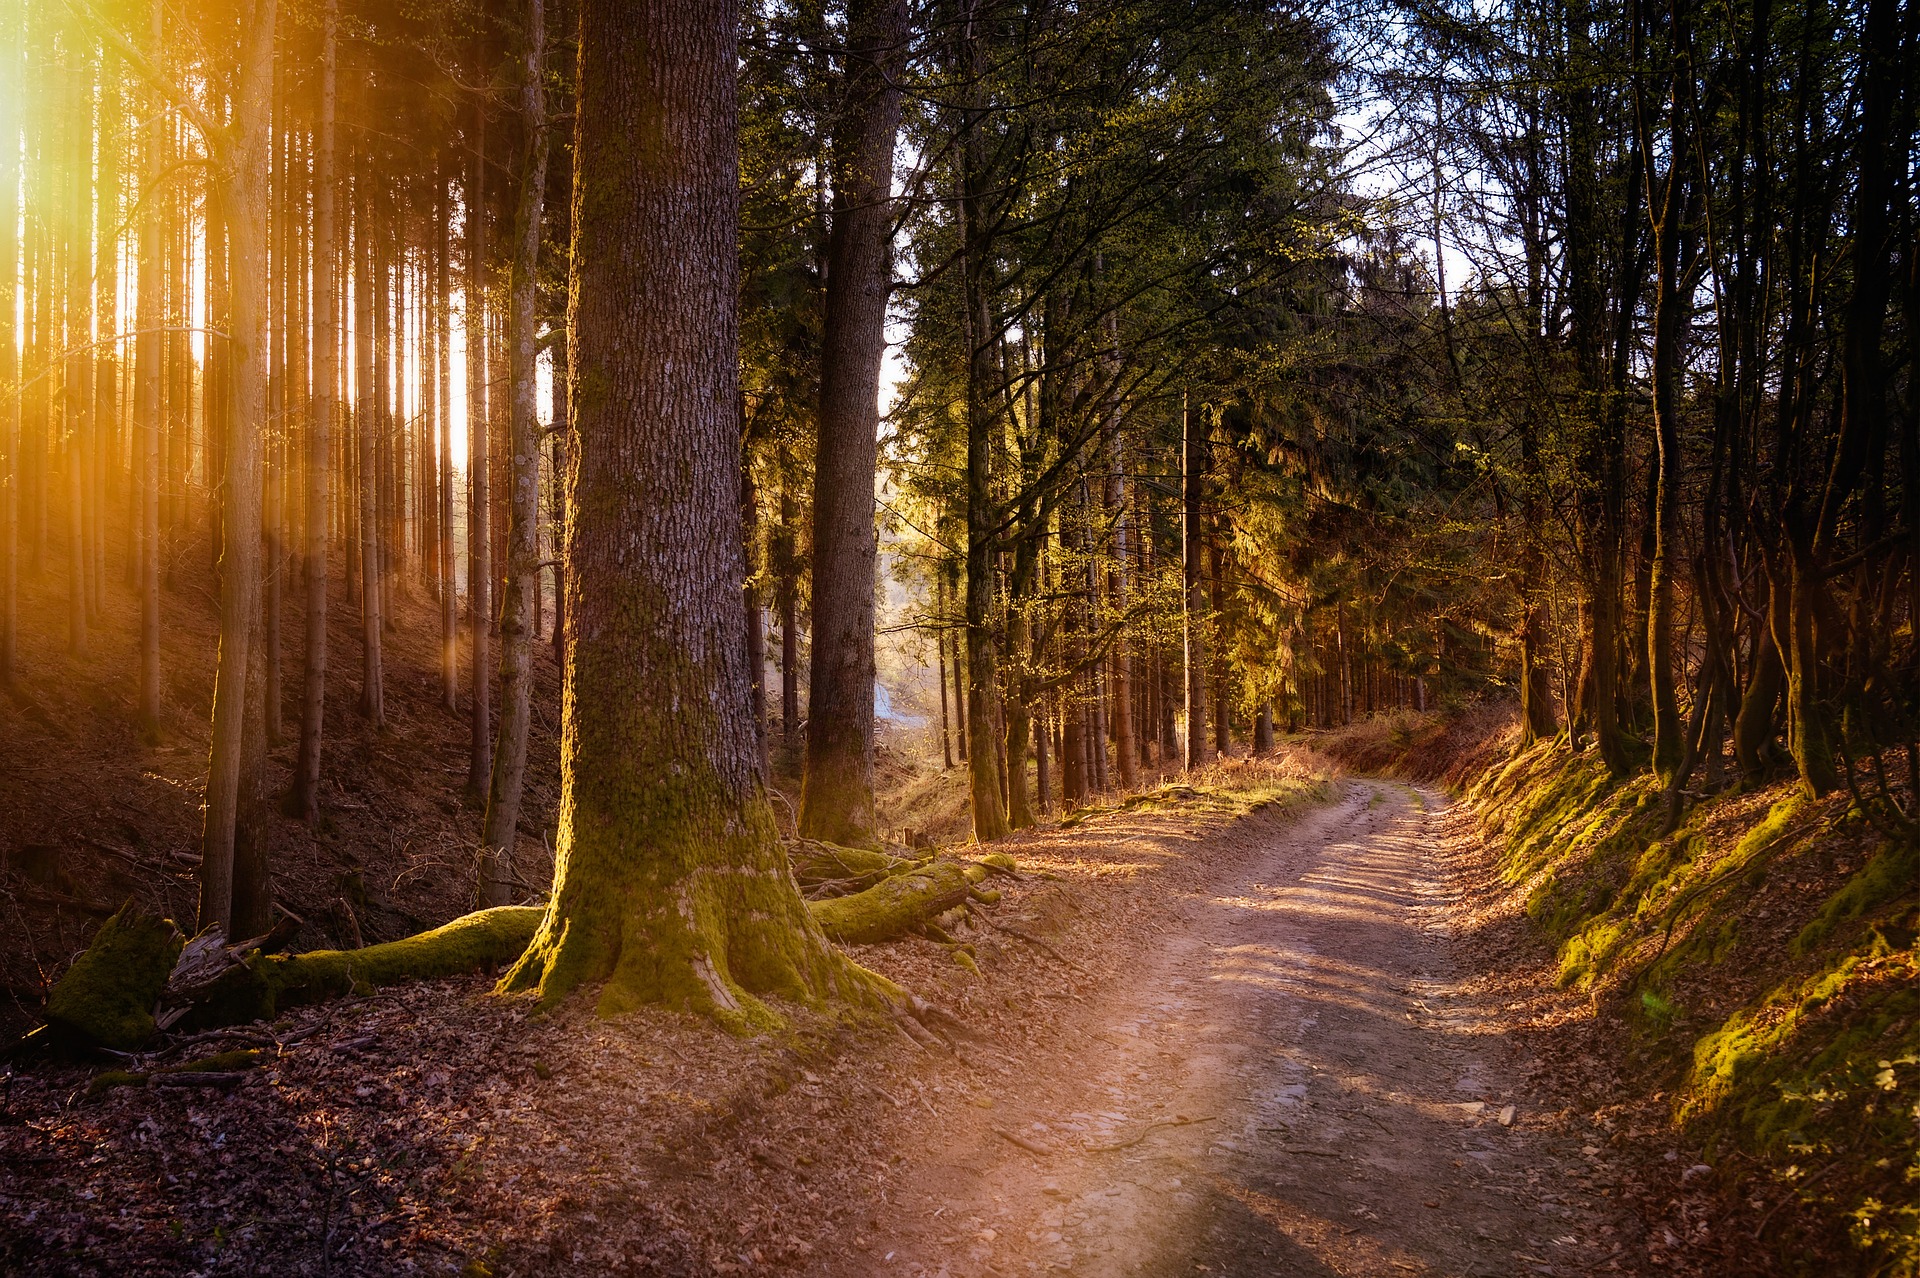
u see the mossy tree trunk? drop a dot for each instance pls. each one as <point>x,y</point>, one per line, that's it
<point>670,884</point>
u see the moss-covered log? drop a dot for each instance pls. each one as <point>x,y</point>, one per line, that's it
<point>896,906</point>
<point>818,864</point>
<point>109,994</point>
<point>107,997</point>
<point>263,984</point>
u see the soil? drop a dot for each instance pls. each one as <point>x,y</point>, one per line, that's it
<point>1215,1046</point>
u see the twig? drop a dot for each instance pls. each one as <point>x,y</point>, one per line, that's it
<point>1031,940</point>
<point>1793,1192</point>
<point>1149,1130</point>
<point>1031,1146</point>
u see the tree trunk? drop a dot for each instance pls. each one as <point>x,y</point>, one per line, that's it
<point>149,360</point>
<point>523,540</point>
<point>443,371</point>
<point>13,476</point>
<point>479,498</point>
<point>1120,661</point>
<point>234,893</point>
<point>78,384</point>
<point>670,881</point>
<point>366,421</point>
<point>983,752</point>
<point>326,384</point>
<point>1670,303</point>
<point>1193,463</point>
<point>787,566</point>
<point>836,797</point>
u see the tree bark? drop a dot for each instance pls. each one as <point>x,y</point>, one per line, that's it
<point>13,477</point>
<point>836,797</point>
<point>443,371</point>
<point>479,497</point>
<point>670,882</point>
<point>523,540</point>
<point>149,360</point>
<point>326,385</point>
<point>366,422</point>
<point>983,752</point>
<point>234,892</point>
<point>1193,464</point>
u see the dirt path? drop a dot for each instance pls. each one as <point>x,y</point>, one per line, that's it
<point>1291,1083</point>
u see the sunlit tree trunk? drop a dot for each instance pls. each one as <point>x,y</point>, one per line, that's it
<point>523,545</point>
<point>305,796</point>
<point>479,495</point>
<point>234,892</point>
<point>12,471</point>
<point>443,361</point>
<point>150,352</point>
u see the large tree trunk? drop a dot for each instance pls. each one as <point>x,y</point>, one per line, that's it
<point>234,894</point>
<point>523,537</point>
<point>1193,465</point>
<point>836,798</point>
<point>326,383</point>
<point>983,752</point>
<point>670,883</point>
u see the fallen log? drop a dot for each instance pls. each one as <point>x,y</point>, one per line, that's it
<point>217,985</point>
<point>138,977</point>
<point>896,906</point>
<point>817,863</point>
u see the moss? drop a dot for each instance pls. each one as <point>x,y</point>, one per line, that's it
<point>893,907</point>
<point>815,861</point>
<point>268,983</point>
<point>108,1079</point>
<point>107,996</point>
<point>1888,876</point>
<point>1814,1068</point>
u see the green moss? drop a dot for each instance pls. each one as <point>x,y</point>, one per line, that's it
<point>107,996</point>
<point>894,906</point>
<point>1813,1064</point>
<point>1889,875</point>
<point>108,1079</point>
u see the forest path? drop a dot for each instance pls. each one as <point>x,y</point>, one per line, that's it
<point>1292,1082</point>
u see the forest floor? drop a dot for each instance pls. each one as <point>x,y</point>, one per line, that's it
<point>1273,1043</point>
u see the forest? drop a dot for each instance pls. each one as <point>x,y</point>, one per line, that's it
<point>743,520</point>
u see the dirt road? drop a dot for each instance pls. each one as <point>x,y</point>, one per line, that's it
<point>1291,1082</point>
